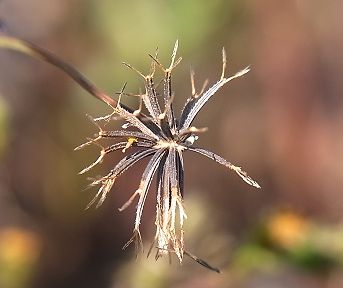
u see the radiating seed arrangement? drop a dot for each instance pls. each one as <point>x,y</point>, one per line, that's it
<point>159,134</point>
<point>163,137</point>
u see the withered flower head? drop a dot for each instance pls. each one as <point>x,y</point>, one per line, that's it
<point>159,134</point>
<point>164,138</point>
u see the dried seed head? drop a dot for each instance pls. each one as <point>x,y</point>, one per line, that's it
<point>165,138</point>
<point>159,135</point>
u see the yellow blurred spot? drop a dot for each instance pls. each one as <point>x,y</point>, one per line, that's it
<point>19,251</point>
<point>287,229</point>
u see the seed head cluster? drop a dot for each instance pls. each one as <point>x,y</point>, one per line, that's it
<point>156,133</point>
<point>163,137</point>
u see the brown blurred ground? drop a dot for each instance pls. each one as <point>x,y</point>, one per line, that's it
<point>282,123</point>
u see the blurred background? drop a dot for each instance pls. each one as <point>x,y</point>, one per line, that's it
<point>282,123</point>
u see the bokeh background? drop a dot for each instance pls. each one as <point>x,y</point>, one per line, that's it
<point>282,123</point>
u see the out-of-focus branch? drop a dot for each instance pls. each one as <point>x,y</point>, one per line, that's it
<point>23,46</point>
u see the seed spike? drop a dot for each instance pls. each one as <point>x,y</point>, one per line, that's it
<point>202,262</point>
<point>176,45</point>
<point>193,130</point>
<point>139,110</point>
<point>177,62</point>
<point>90,141</point>
<point>137,238</point>
<point>90,204</point>
<point>134,69</point>
<point>154,62</point>
<point>121,94</point>
<point>99,160</point>
<point>242,72</point>
<point>106,118</point>
<point>156,52</point>
<point>224,64</point>
<point>107,187</point>
<point>192,82</point>
<point>128,202</point>
<point>87,143</point>
<point>204,85</point>
<point>167,107</point>
<point>152,68</point>
<point>152,245</point>
<point>128,94</point>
